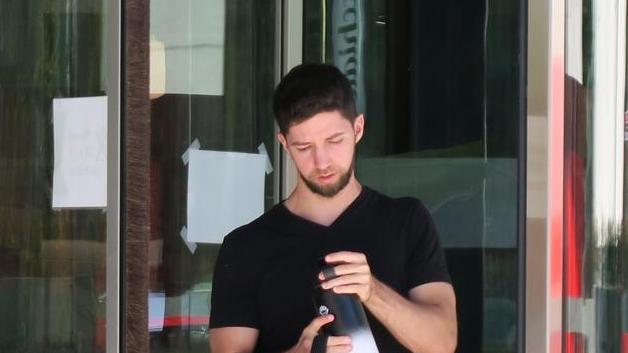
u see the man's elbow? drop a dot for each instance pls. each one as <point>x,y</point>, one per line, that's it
<point>447,345</point>
<point>450,343</point>
<point>443,347</point>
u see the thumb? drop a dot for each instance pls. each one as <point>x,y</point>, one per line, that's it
<point>318,322</point>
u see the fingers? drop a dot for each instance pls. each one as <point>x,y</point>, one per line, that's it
<point>349,263</point>
<point>346,269</point>
<point>358,278</point>
<point>317,323</point>
<point>331,344</point>
<point>345,256</point>
<point>352,274</point>
<point>359,284</point>
<point>338,340</point>
<point>339,344</point>
<point>359,289</point>
<point>340,349</point>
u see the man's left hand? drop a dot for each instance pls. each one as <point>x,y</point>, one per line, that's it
<point>354,274</point>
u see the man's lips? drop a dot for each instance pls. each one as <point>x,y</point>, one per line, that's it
<point>325,177</point>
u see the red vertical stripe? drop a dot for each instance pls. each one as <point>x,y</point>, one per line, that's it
<point>555,191</point>
<point>555,188</point>
<point>575,342</point>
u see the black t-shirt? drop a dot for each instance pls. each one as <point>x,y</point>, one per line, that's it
<point>266,270</point>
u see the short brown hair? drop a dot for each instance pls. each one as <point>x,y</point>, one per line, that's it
<point>309,89</point>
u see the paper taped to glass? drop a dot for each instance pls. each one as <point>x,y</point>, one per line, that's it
<point>80,152</point>
<point>225,191</point>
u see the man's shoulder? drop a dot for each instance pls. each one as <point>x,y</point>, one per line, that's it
<point>258,228</point>
<point>397,205</point>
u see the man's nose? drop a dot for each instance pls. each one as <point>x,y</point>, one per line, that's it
<point>321,158</point>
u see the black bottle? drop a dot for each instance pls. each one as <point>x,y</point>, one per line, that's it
<point>349,316</point>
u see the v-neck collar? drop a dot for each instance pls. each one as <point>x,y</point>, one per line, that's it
<point>346,214</point>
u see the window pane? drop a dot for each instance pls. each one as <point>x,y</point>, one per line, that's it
<point>596,202</point>
<point>52,261</point>
<point>438,83</point>
<point>212,79</point>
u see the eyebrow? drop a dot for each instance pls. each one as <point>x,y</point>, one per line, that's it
<point>336,135</point>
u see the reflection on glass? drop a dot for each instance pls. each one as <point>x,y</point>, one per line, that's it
<point>596,196</point>
<point>439,85</point>
<point>212,78</point>
<point>52,262</point>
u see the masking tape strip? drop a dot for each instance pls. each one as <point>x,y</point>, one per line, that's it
<point>184,235</point>
<point>262,150</point>
<point>185,157</point>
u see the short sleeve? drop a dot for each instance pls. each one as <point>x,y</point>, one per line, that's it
<point>233,299</point>
<point>426,259</point>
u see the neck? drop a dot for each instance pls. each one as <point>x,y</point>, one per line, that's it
<point>319,209</point>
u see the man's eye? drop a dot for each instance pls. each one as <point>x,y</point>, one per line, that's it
<point>336,141</point>
<point>303,149</point>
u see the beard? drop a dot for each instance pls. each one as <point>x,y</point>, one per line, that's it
<point>330,190</point>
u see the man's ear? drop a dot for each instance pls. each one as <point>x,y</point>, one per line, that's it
<point>282,139</point>
<point>358,127</point>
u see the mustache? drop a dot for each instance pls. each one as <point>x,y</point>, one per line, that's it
<point>327,171</point>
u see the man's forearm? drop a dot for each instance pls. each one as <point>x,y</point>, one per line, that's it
<point>420,327</point>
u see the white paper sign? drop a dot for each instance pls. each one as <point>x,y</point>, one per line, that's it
<point>80,152</point>
<point>225,191</point>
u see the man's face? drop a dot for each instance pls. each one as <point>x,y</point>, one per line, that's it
<point>323,150</point>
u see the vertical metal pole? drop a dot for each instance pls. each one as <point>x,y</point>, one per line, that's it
<point>522,176</point>
<point>555,197</point>
<point>113,29</point>
<point>277,149</point>
<point>292,56</point>
<point>544,182</point>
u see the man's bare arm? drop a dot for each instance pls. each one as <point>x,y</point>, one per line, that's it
<point>425,323</point>
<point>233,339</point>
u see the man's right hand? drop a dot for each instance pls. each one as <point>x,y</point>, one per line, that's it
<point>335,344</point>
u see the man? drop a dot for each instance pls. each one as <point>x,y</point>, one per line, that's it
<point>383,250</point>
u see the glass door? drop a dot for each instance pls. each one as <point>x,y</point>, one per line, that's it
<point>212,76</point>
<point>53,160</point>
<point>441,86</point>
